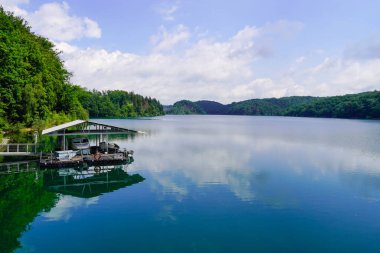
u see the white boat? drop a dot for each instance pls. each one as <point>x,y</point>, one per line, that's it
<point>65,155</point>
<point>80,143</point>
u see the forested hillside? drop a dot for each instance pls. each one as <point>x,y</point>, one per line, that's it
<point>34,85</point>
<point>211,107</point>
<point>266,106</point>
<point>185,107</point>
<point>119,104</point>
<point>364,105</point>
<point>35,88</point>
<point>356,106</point>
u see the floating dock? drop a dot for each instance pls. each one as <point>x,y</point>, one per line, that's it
<point>98,159</point>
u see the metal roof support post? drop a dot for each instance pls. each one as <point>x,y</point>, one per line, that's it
<point>64,139</point>
<point>97,137</point>
<point>106,140</point>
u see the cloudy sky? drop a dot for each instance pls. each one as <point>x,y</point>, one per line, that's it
<point>210,49</point>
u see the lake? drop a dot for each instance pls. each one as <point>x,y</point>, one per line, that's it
<point>210,184</point>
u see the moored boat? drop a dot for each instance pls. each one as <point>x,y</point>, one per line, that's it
<point>80,143</point>
<point>107,147</point>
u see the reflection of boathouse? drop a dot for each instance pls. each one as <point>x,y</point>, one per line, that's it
<point>89,183</point>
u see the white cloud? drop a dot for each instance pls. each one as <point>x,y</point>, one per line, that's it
<point>54,21</point>
<point>178,68</point>
<point>334,76</point>
<point>165,40</point>
<point>358,76</point>
<point>13,6</point>
<point>204,69</point>
<point>167,11</point>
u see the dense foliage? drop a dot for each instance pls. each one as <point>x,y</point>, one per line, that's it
<point>355,106</point>
<point>119,104</point>
<point>266,106</point>
<point>362,105</point>
<point>34,85</point>
<point>211,107</point>
<point>35,90</point>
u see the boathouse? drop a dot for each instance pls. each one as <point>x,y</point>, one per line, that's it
<point>85,127</point>
<point>77,127</point>
<point>102,153</point>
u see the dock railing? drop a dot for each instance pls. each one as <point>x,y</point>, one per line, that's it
<point>18,149</point>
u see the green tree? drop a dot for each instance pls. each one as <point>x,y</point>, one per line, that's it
<point>34,85</point>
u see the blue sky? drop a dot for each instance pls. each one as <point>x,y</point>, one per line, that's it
<point>217,50</point>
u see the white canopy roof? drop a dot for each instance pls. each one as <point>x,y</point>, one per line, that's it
<point>63,126</point>
<point>87,124</point>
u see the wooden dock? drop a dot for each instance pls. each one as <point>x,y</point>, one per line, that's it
<point>89,160</point>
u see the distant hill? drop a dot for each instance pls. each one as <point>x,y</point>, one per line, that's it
<point>211,107</point>
<point>266,106</point>
<point>364,105</point>
<point>185,107</point>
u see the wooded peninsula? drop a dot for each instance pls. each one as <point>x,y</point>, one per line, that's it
<point>35,87</point>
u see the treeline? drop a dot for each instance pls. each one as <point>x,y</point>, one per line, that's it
<point>356,106</point>
<point>35,90</point>
<point>364,105</point>
<point>119,104</point>
<point>266,106</point>
<point>184,107</point>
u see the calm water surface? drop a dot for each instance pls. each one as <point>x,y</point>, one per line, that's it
<point>216,184</point>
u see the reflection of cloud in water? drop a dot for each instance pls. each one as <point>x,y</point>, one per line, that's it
<point>366,184</point>
<point>233,154</point>
<point>166,214</point>
<point>199,160</point>
<point>166,185</point>
<point>234,163</point>
<point>66,205</point>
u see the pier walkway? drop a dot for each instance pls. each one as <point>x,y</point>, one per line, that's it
<point>18,149</point>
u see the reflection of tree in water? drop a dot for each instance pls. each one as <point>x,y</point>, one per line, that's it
<point>27,191</point>
<point>22,197</point>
